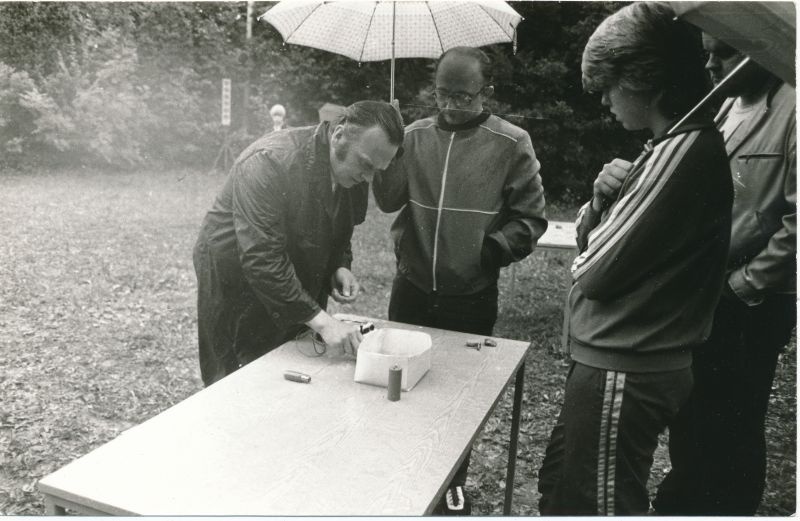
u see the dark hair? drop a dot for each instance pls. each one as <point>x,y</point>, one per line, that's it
<point>368,114</point>
<point>476,54</point>
<point>644,47</point>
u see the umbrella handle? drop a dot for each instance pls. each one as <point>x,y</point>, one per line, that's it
<point>712,94</point>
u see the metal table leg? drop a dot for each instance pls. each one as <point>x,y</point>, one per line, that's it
<point>52,509</point>
<point>512,449</point>
<point>57,506</point>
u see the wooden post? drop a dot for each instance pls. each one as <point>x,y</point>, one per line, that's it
<point>246,119</point>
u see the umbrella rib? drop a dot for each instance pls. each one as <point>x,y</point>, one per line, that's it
<point>482,8</point>
<point>301,23</point>
<point>366,35</point>
<point>435,26</point>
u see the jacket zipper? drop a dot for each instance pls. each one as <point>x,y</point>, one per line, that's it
<point>439,209</point>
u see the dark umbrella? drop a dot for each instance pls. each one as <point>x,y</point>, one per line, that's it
<point>764,31</point>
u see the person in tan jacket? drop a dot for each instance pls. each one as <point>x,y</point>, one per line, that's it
<point>717,445</point>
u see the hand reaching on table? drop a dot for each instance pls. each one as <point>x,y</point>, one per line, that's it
<point>336,334</point>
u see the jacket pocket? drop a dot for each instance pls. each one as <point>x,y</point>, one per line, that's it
<point>752,174</point>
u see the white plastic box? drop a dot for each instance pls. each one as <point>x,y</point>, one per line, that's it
<point>384,348</point>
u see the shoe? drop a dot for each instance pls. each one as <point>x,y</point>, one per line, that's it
<point>455,503</point>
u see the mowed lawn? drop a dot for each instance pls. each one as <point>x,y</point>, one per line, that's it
<point>98,326</point>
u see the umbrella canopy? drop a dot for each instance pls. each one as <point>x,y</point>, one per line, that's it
<point>365,30</point>
<point>764,31</point>
<point>388,29</point>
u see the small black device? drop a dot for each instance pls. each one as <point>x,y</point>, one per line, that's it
<point>366,327</point>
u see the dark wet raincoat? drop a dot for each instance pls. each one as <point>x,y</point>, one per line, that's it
<point>268,248</point>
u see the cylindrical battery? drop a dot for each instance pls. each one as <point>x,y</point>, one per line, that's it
<point>296,376</point>
<point>395,379</point>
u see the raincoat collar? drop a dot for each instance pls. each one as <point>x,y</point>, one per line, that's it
<point>317,152</point>
<point>474,122</point>
<point>318,165</point>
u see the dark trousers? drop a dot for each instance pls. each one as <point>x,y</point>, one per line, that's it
<point>474,314</point>
<point>717,446</point>
<point>601,448</point>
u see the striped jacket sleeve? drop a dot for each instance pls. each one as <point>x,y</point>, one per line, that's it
<point>642,228</point>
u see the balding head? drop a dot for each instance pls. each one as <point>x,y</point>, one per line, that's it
<point>462,84</point>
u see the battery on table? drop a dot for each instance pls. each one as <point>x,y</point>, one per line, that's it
<point>395,379</point>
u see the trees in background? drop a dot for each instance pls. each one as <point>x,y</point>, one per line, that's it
<point>139,83</point>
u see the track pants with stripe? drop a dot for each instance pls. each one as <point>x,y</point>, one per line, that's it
<point>601,448</point>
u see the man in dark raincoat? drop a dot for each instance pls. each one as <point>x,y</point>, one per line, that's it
<point>276,242</point>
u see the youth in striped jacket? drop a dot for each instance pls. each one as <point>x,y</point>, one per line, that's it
<point>650,269</point>
<point>472,202</point>
<point>645,285</point>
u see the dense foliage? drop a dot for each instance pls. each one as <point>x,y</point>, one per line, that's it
<point>139,83</point>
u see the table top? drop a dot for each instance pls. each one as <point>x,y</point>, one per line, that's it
<point>559,235</point>
<point>257,444</point>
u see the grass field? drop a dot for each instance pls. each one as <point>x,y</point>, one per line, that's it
<point>98,325</point>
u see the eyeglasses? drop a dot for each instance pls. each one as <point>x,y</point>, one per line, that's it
<point>461,99</point>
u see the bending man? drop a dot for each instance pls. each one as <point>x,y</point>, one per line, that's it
<point>276,242</point>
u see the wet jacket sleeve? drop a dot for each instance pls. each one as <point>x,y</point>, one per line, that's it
<point>346,258</point>
<point>776,263</point>
<point>390,187</point>
<point>641,232</point>
<point>523,210</point>
<point>259,203</point>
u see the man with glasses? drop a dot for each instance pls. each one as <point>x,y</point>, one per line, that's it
<point>472,202</point>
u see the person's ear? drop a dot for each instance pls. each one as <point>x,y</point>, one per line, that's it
<point>488,91</point>
<point>338,133</point>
